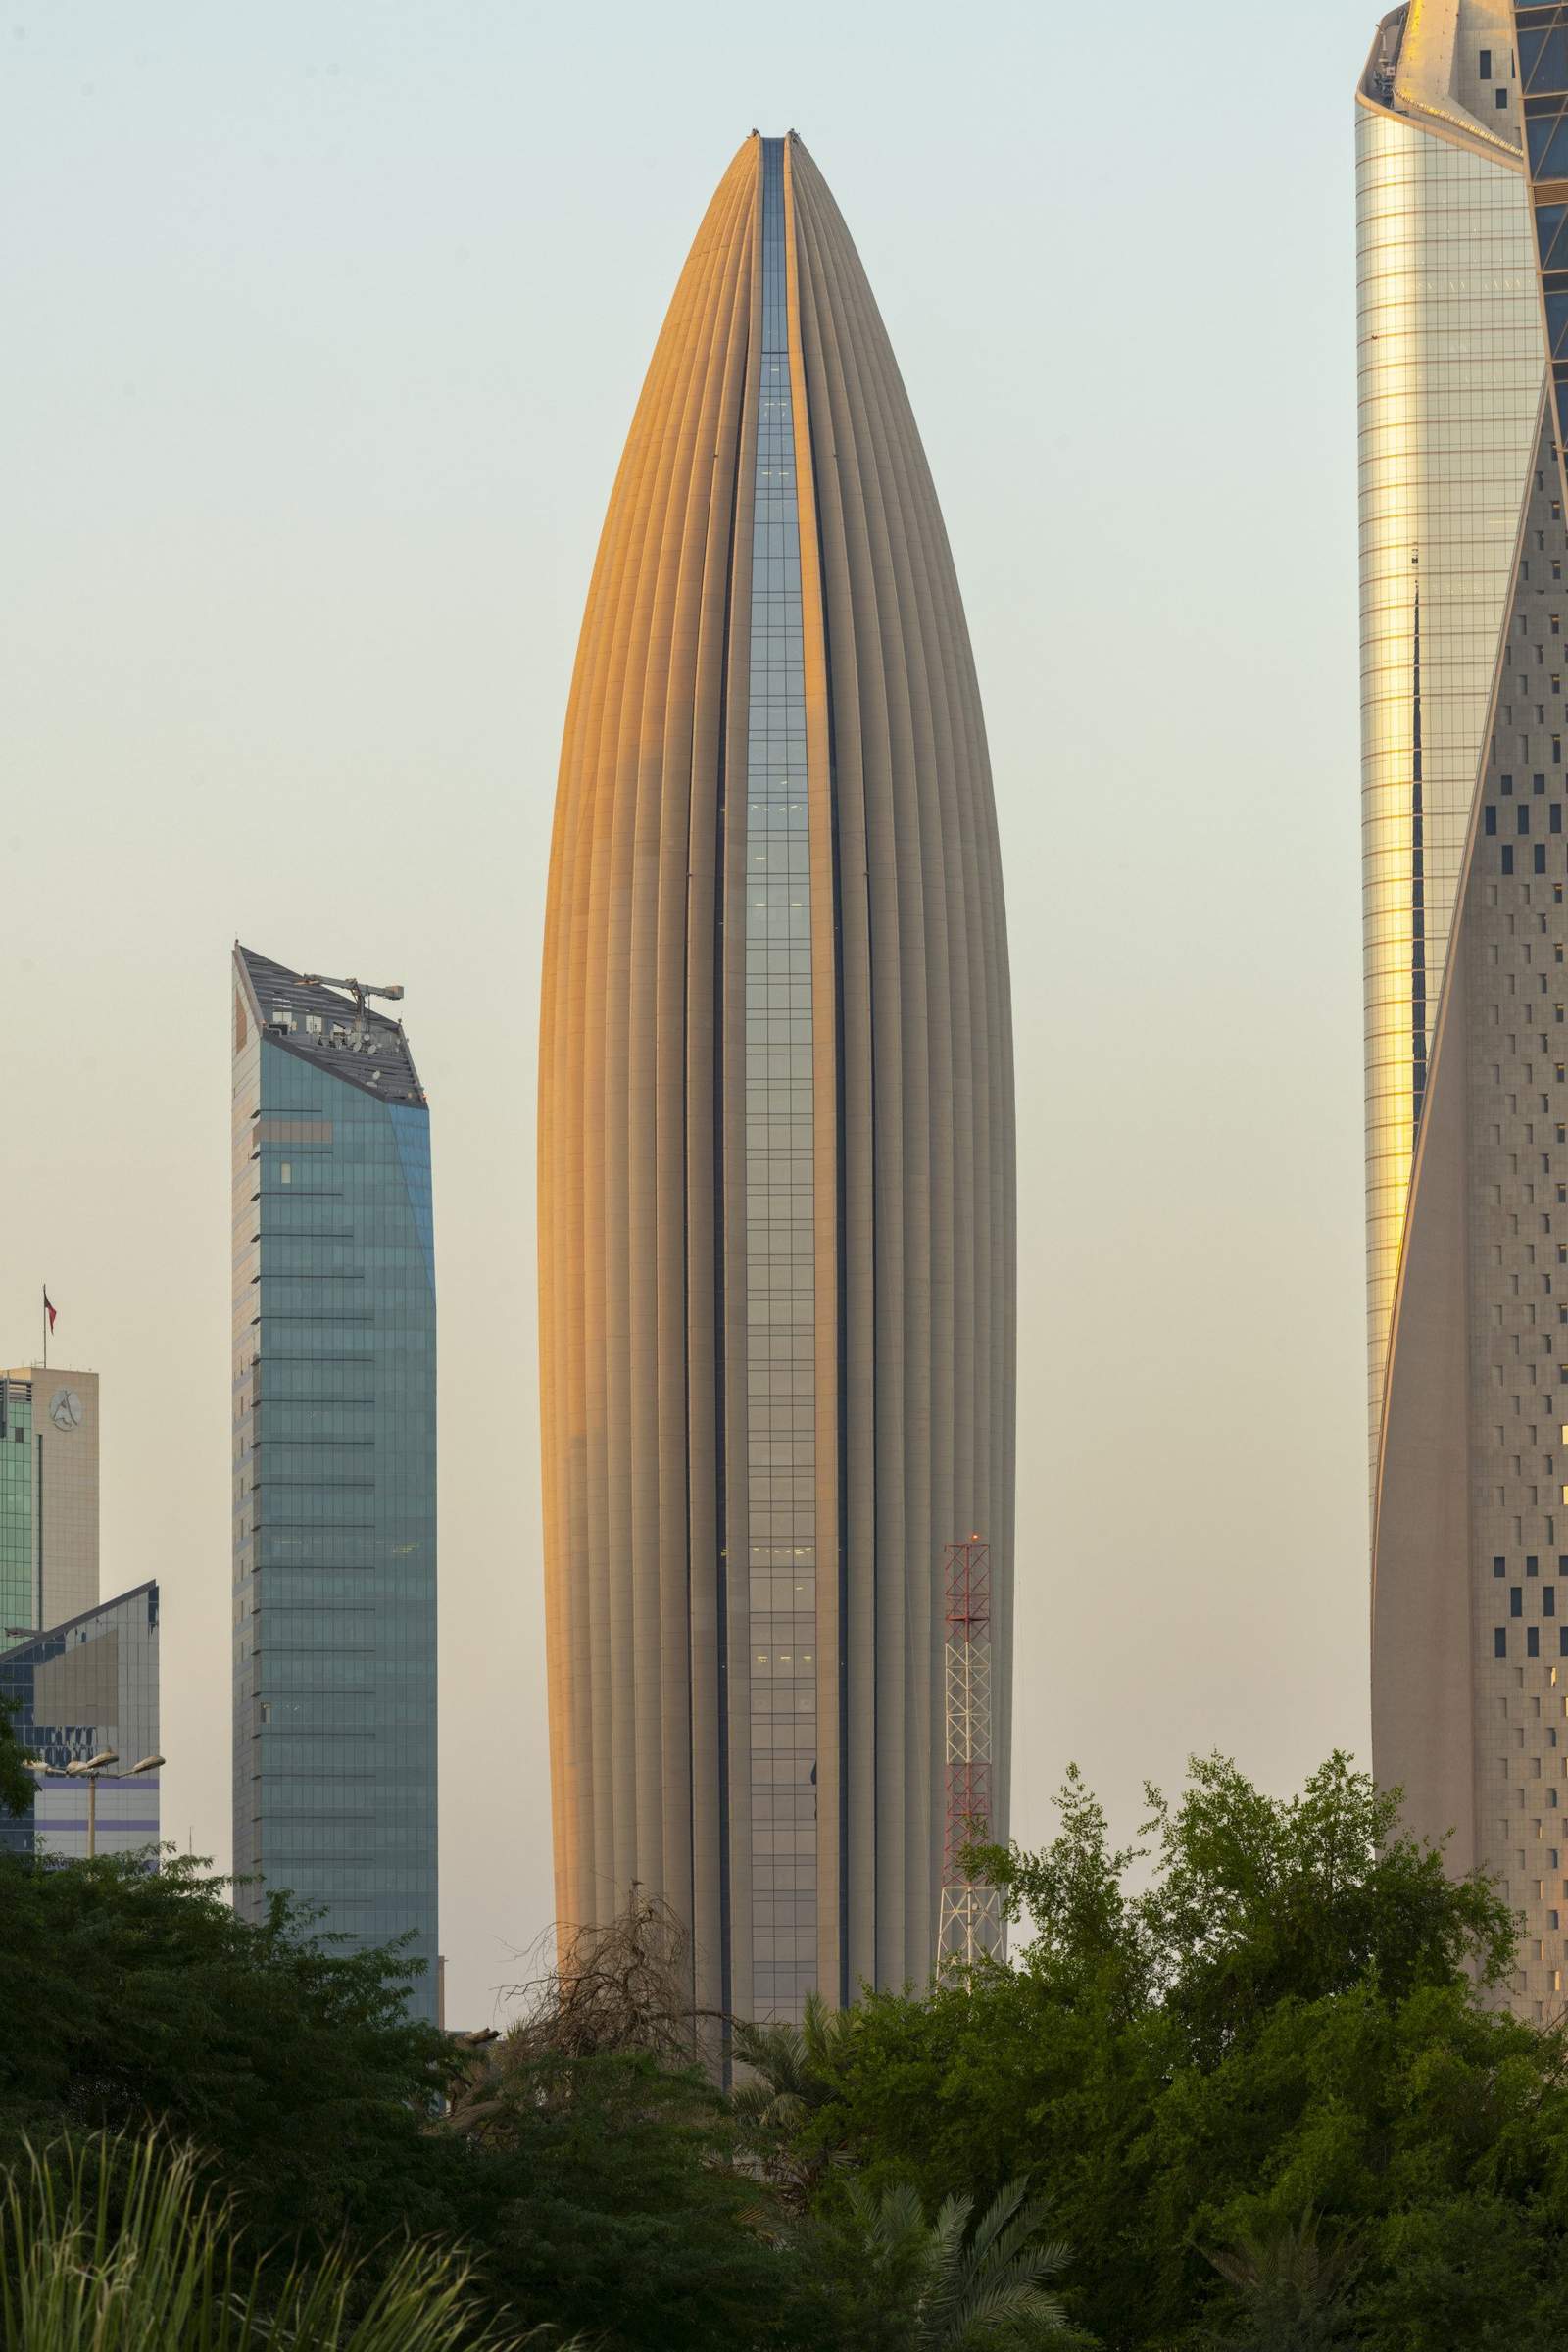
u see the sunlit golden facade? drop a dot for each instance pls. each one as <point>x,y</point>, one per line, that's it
<point>776,1140</point>
<point>1450,383</point>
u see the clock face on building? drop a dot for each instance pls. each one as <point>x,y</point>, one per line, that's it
<point>64,1409</point>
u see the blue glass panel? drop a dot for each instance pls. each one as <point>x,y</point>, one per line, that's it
<point>1548,146</point>
<point>1544,58</point>
<point>1549,219</point>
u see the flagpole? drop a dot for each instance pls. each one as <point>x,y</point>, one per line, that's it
<point>46,1327</point>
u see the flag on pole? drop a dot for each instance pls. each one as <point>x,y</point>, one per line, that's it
<point>47,1308</point>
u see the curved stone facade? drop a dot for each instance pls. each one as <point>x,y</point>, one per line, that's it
<point>1464,125</point>
<point>776,1140</point>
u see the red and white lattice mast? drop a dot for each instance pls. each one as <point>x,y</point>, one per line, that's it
<point>969,1928</point>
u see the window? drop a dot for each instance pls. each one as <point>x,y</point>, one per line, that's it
<point>1485,65</point>
<point>285,1171</point>
<point>1548,1601</point>
<point>1538,783</point>
<point>1539,859</point>
<point>1556,627</point>
<point>1516,1600</point>
<point>1501,95</point>
<point>1531,1566</point>
<point>1556,821</point>
<point>1490,821</point>
<point>1507,784</point>
<point>1507,857</point>
<point>1556,751</point>
<point>1499,1640</point>
<point>1498,1567</point>
<point>1521,817</point>
<point>1532,1640</point>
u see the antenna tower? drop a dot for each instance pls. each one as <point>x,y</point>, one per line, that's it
<point>969,1927</point>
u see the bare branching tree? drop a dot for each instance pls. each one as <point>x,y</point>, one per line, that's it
<point>622,1988</point>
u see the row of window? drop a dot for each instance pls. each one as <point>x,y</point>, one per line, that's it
<point>1548,1601</point>
<point>1506,855</point>
<point>1499,1640</point>
<point>1488,817</point>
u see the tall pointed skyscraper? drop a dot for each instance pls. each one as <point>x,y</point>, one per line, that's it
<point>1464,603</point>
<point>334,1503</point>
<point>776,1140</point>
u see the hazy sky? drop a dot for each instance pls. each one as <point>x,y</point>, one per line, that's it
<point>324,324</point>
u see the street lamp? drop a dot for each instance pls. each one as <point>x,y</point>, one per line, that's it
<point>92,1770</point>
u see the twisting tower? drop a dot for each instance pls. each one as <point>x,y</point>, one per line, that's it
<point>969,1927</point>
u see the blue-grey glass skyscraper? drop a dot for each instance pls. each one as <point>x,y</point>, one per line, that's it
<point>334,1364</point>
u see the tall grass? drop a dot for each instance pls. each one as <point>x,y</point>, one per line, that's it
<point>113,2243</point>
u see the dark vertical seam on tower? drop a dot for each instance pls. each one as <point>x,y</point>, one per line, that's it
<point>721,1231</point>
<point>841,1242</point>
<point>38,1606</point>
<point>720,1359</point>
<point>1418,880</point>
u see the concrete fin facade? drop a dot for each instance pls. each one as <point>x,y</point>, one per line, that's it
<point>776,1140</point>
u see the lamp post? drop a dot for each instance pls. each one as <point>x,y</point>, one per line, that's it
<point>92,1770</point>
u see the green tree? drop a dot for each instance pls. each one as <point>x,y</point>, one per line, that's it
<point>615,2207</point>
<point>145,1996</point>
<point>1251,1900</point>
<point>1271,2008</point>
<point>16,1781</point>
<point>906,2284</point>
<point>1290,2289</point>
<point>590,2186</point>
<point>785,2074</point>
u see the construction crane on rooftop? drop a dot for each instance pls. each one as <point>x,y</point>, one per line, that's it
<point>357,989</point>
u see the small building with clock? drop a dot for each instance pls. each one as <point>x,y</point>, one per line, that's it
<point>48,1496</point>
